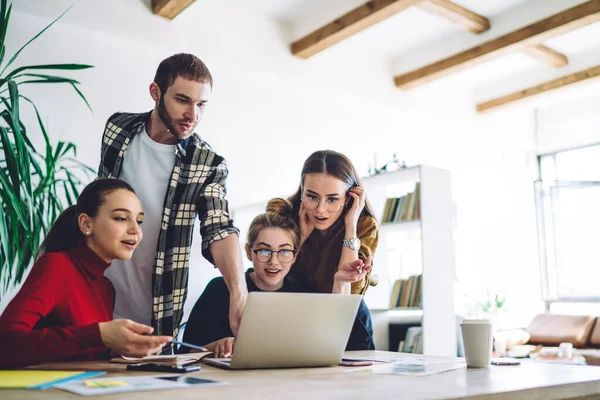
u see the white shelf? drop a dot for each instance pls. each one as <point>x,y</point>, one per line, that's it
<point>401,225</point>
<point>401,175</point>
<point>423,246</point>
<point>398,309</point>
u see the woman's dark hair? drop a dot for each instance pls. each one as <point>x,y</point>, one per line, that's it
<point>335,164</point>
<point>65,232</point>
<point>278,214</point>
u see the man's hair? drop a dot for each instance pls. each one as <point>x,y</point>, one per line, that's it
<point>188,66</point>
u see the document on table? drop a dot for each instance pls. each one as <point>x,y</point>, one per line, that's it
<point>120,384</point>
<point>416,369</point>
<point>412,365</point>
<point>408,359</point>
<point>32,379</point>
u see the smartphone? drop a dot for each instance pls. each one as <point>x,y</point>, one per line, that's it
<point>355,363</point>
<point>350,200</point>
<point>506,362</point>
<point>162,367</point>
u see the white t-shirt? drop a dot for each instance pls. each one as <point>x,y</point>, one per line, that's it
<point>147,167</point>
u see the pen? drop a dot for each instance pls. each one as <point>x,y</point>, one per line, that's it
<point>191,346</point>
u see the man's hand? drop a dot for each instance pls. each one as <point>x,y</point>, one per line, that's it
<point>236,308</point>
<point>228,258</point>
<point>224,347</point>
<point>127,338</point>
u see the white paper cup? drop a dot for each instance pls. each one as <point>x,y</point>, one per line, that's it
<point>565,350</point>
<point>500,346</point>
<point>477,339</point>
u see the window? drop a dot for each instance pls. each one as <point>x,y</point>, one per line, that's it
<point>568,217</point>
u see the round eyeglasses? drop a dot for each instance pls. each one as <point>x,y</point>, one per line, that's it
<point>312,202</point>
<point>284,255</point>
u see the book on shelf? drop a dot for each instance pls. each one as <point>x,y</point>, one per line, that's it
<point>395,294</point>
<point>407,292</point>
<point>401,346</point>
<point>174,360</point>
<point>413,343</point>
<point>403,208</point>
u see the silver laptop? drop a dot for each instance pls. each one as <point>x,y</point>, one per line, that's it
<point>292,330</point>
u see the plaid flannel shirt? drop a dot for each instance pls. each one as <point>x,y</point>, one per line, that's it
<point>196,188</point>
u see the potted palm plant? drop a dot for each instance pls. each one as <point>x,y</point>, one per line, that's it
<point>36,184</point>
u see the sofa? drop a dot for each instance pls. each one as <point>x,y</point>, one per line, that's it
<point>583,331</point>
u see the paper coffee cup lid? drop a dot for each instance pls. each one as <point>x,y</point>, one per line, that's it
<point>476,321</point>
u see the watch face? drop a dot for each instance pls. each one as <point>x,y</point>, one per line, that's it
<point>354,244</point>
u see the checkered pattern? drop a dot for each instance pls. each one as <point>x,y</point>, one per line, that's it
<point>196,188</point>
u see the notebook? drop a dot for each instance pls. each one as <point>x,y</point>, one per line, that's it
<point>169,359</point>
<point>292,330</point>
<point>18,379</point>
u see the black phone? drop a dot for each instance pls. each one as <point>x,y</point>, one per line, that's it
<point>506,362</point>
<point>350,199</point>
<point>162,367</point>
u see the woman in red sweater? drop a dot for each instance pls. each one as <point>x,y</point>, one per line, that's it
<point>64,309</point>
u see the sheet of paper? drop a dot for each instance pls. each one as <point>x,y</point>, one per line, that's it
<point>18,379</point>
<point>408,359</point>
<point>135,384</point>
<point>413,369</point>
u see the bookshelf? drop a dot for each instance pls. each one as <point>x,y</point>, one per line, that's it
<point>417,241</point>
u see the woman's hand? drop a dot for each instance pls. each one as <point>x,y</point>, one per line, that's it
<point>349,273</point>
<point>306,226</point>
<point>224,347</point>
<point>127,338</point>
<point>357,193</point>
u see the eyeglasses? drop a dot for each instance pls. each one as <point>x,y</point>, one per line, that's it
<point>312,202</point>
<point>284,255</point>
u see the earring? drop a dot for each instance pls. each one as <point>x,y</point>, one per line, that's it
<point>88,233</point>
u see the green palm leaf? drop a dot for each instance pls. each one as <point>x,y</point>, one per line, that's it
<point>35,185</point>
<point>31,40</point>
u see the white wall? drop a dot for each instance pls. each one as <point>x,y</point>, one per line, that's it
<point>269,111</point>
<point>569,125</point>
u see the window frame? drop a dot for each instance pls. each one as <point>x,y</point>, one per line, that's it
<point>547,247</point>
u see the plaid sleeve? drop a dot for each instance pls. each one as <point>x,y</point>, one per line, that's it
<point>213,210</point>
<point>110,147</point>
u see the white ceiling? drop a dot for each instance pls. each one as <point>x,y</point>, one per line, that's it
<point>415,38</point>
<point>405,41</point>
<point>410,29</point>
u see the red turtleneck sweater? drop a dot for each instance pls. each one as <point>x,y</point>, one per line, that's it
<point>55,315</point>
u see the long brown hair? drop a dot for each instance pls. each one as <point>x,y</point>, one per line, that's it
<point>335,164</point>
<point>65,233</point>
<point>278,214</point>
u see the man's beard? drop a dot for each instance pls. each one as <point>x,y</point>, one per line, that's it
<point>166,119</point>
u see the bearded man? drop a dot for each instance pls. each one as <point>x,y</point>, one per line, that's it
<point>177,176</point>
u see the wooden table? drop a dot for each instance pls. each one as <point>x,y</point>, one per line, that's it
<point>527,381</point>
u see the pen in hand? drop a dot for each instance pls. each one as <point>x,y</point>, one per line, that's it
<point>191,346</point>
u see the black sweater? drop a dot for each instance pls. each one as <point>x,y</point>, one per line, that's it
<point>209,319</point>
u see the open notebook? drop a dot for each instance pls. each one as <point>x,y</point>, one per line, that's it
<point>172,360</point>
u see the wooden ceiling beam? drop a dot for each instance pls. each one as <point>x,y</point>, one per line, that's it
<point>554,84</point>
<point>533,34</point>
<point>461,16</point>
<point>348,24</point>
<point>476,23</point>
<point>169,8</point>
<point>547,55</point>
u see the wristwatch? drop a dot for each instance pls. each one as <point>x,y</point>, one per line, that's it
<point>353,243</point>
